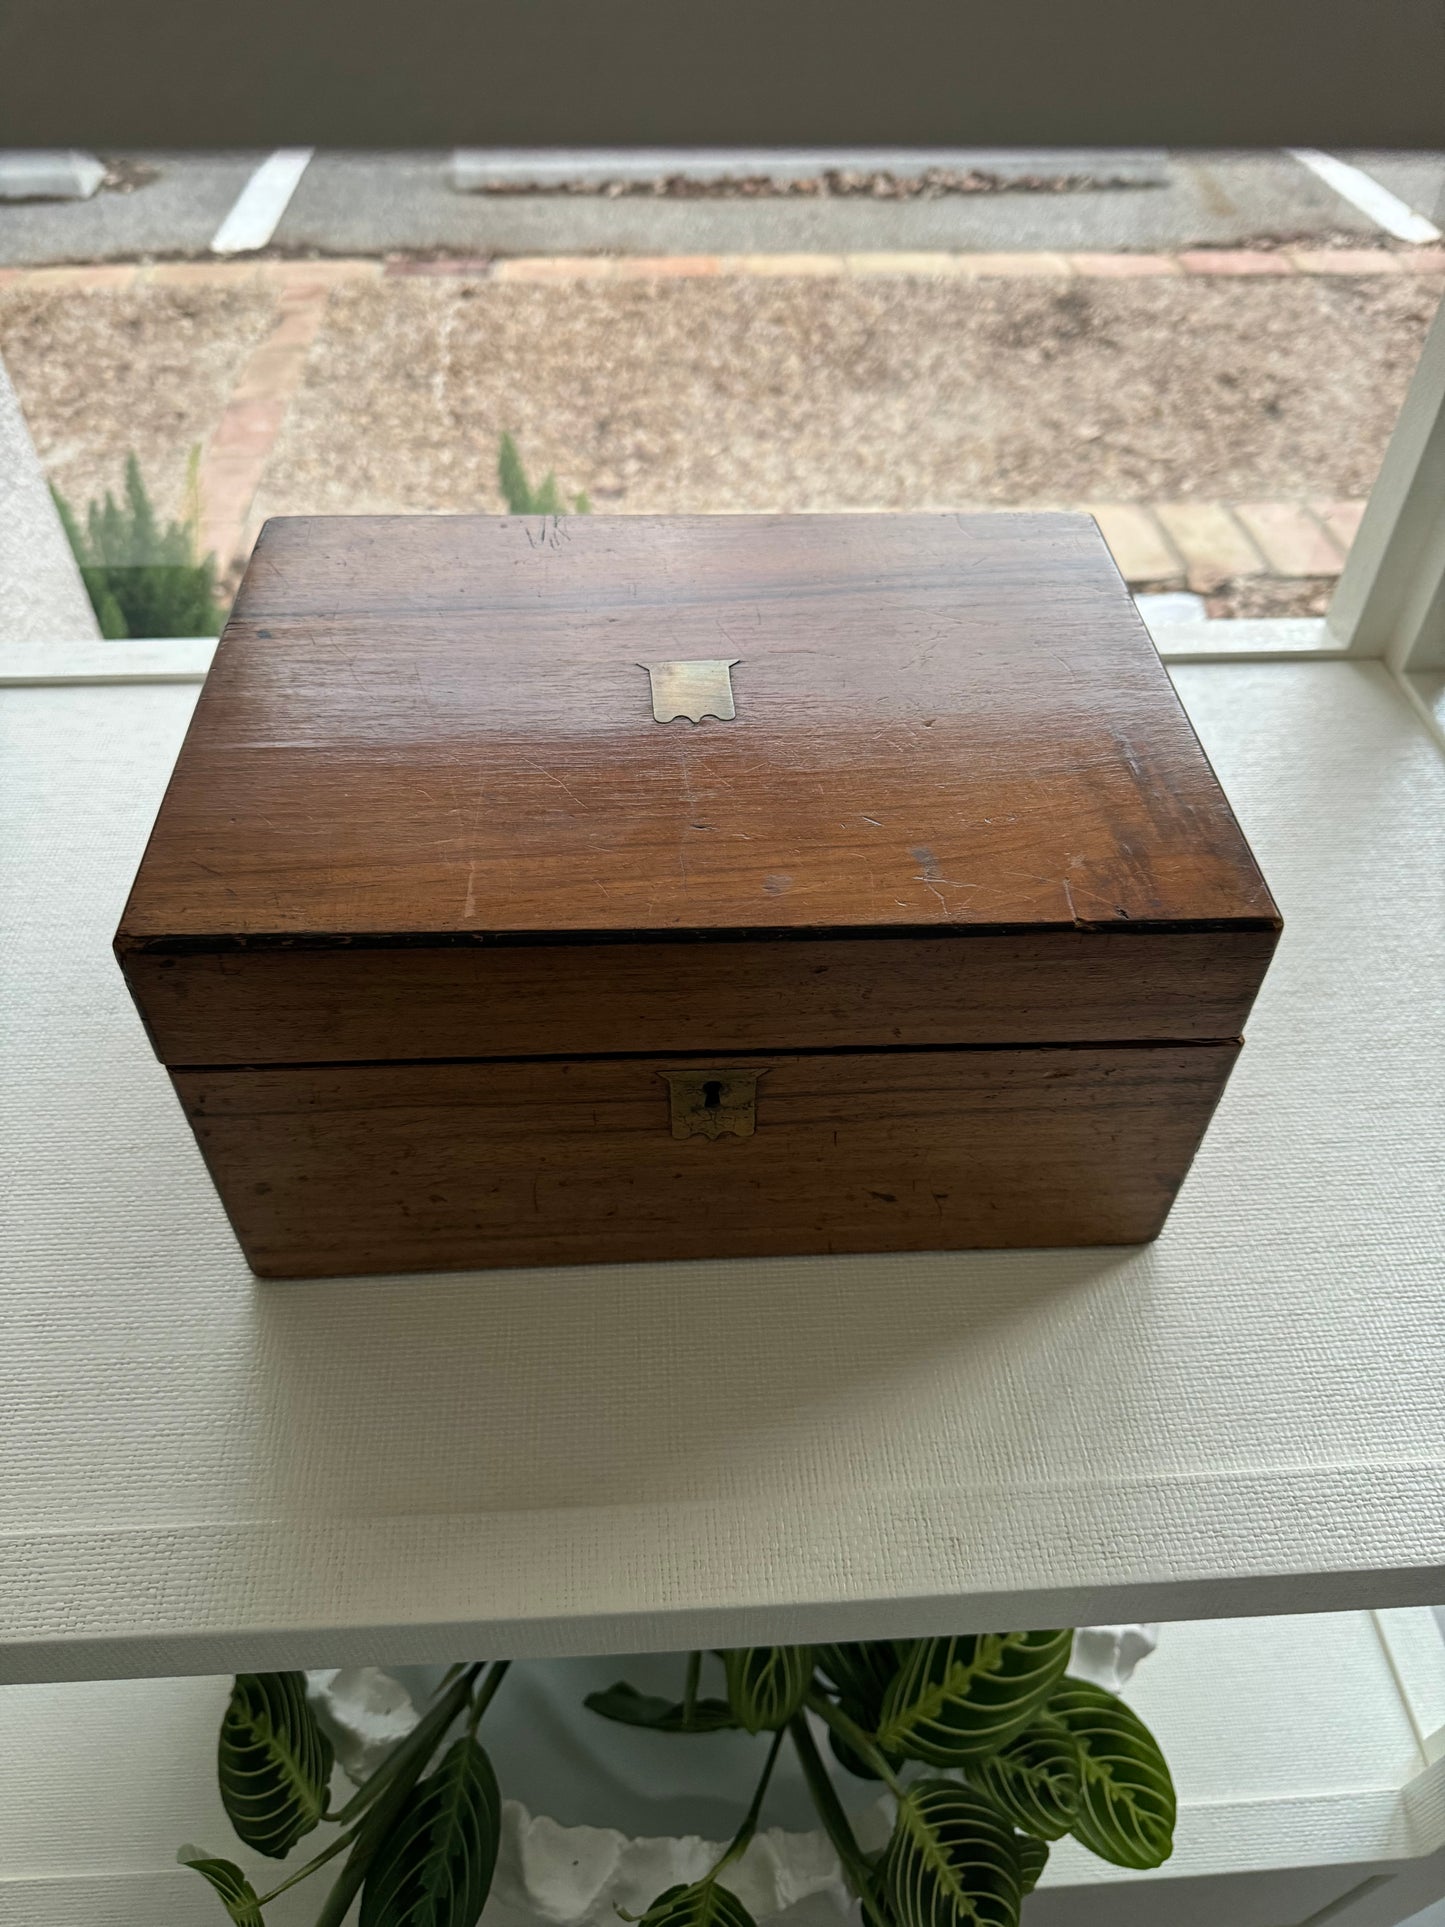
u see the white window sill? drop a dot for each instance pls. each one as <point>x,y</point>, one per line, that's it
<point>1247,1417</point>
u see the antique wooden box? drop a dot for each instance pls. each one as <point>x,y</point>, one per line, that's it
<point>535,891</point>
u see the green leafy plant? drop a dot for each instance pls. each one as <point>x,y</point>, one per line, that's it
<point>273,1761</point>
<point>989,1750</point>
<point>520,496</point>
<point>144,578</point>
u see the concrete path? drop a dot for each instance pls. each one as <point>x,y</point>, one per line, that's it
<point>375,204</point>
<point>1418,179</point>
<point>361,206</point>
<point>175,213</point>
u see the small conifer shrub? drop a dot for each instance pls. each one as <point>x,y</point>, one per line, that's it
<point>144,578</point>
<point>519,495</point>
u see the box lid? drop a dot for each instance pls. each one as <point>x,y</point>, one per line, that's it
<point>443,731</point>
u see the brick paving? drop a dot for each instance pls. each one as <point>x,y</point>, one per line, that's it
<point>1215,548</point>
<point>1212,262</point>
<point>1123,267</point>
<point>235,456</point>
<point>1291,540</point>
<point>1345,261</point>
<point>1139,545</point>
<point>1234,261</point>
<point>1341,520</point>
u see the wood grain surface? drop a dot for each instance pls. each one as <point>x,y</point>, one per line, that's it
<point>278,1006</point>
<point>414,1167</point>
<point>438,725</point>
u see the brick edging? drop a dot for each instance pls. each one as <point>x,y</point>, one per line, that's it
<point>1042,264</point>
<point>240,445</point>
<point>1200,545</point>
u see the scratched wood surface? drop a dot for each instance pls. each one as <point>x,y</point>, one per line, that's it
<point>425,769</point>
<point>279,1006</point>
<point>438,726</point>
<point>349,1168</point>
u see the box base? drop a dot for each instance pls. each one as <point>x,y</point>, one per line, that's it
<point>340,1169</point>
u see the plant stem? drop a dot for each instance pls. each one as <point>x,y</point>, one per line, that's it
<point>853,1735</point>
<point>377,1784</point>
<point>689,1691</point>
<point>329,1853</point>
<point>486,1693</point>
<point>835,1822</point>
<point>417,1749</point>
<point>742,1839</point>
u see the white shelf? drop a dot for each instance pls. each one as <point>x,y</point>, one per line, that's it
<point>1297,1755</point>
<point>200,1472</point>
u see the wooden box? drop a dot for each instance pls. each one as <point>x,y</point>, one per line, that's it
<point>535,891</point>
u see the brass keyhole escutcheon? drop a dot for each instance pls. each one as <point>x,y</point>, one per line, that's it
<point>713,1103</point>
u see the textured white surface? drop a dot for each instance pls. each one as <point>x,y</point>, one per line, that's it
<point>199,1472</point>
<point>42,598</point>
<point>1291,1748</point>
<point>169,659</point>
<point>1414,1644</point>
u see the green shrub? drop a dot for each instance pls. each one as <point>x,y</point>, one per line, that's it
<point>144,579</point>
<point>519,495</point>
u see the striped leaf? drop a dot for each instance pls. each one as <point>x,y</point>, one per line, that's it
<point>1033,1858</point>
<point>957,1700</point>
<point>435,1866</point>
<point>952,1860</point>
<point>703,1904</point>
<point>862,1672</point>
<point>274,1762</point>
<point>1126,1803</point>
<point>625,1704</point>
<point>238,1896</point>
<point>767,1684</point>
<point>1034,1780</point>
<point>855,1764</point>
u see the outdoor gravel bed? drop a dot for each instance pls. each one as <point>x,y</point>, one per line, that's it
<point>105,371</point>
<point>732,394</point>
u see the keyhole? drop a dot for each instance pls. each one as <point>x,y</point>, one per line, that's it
<point>712,1095</point>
